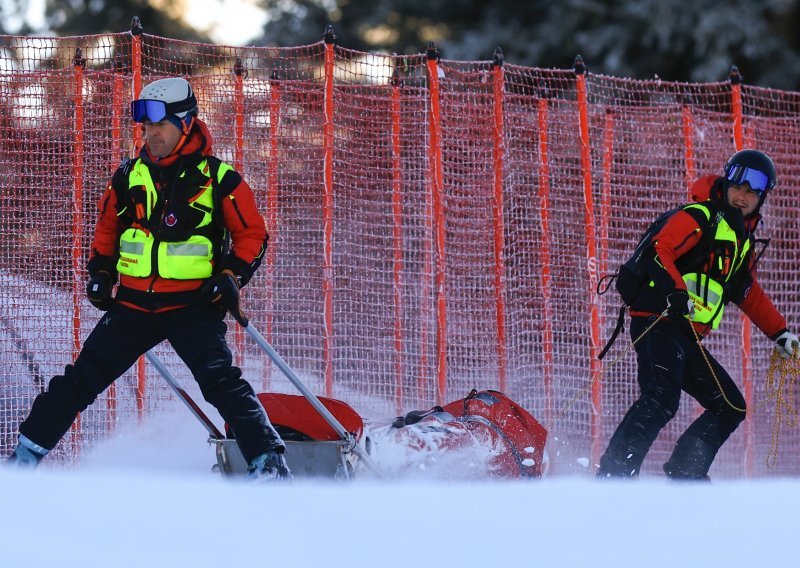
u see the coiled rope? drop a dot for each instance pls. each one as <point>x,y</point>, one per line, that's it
<point>779,387</point>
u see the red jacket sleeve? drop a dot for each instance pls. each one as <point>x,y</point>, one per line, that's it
<point>103,251</point>
<point>677,237</point>
<point>248,232</point>
<point>762,312</point>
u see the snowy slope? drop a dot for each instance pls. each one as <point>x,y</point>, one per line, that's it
<point>147,498</point>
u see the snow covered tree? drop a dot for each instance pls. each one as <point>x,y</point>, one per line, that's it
<point>673,39</point>
<point>85,17</point>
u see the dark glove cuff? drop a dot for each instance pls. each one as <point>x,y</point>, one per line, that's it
<point>239,267</point>
<point>101,263</point>
<point>678,302</point>
<point>777,335</point>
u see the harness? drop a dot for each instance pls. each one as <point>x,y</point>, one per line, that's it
<point>707,269</point>
<point>176,233</point>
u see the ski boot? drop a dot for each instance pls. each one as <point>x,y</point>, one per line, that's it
<point>270,466</point>
<point>27,454</point>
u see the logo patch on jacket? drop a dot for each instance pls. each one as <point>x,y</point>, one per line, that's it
<point>170,220</point>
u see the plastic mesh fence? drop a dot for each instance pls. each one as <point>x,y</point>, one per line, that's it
<point>435,226</point>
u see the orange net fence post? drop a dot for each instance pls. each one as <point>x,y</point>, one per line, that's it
<point>79,64</point>
<point>747,380</point>
<point>439,228</point>
<point>327,220</point>
<point>432,223</point>
<point>238,162</point>
<point>397,240</point>
<point>136,77</point>
<point>544,218</point>
<point>591,260</point>
<point>499,225</point>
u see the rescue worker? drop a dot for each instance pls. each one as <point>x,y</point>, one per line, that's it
<point>164,221</point>
<point>702,258</point>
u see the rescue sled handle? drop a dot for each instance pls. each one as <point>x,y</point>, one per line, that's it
<point>183,395</point>
<point>312,399</point>
<point>292,376</point>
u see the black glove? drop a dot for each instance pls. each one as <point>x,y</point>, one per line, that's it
<point>98,290</point>
<point>678,303</point>
<point>224,288</point>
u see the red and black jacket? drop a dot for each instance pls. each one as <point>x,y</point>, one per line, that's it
<point>678,238</point>
<point>237,215</point>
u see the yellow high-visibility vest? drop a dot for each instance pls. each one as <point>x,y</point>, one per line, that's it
<point>708,293</point>
<point>143,254</point>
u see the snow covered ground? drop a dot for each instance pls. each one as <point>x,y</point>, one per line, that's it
<point>147,498</point>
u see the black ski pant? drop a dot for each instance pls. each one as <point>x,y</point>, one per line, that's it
<point>670,361</point>
<point>197,333</point>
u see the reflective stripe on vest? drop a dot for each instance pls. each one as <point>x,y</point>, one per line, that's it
<point>175,260</point>
<point>183,260</point>
<point>135,251</point>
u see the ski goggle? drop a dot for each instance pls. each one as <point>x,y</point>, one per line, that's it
<point>758,180</point>
<point>156,111</point>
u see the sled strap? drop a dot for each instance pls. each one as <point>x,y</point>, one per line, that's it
<point>620,326</point>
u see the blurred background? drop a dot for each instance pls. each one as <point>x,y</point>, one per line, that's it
<point>673,40</point>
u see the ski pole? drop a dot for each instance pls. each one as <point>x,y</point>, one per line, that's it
<point>183,395</point>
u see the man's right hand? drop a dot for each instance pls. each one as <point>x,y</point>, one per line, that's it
<point>99,289</point>
<point>679,303</point>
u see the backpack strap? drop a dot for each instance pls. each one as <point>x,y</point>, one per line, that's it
<point>706,217</point>
<point>619,327</point>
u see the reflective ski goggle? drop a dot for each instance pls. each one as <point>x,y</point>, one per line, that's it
<point>758,180</point>
<point>156,111</point>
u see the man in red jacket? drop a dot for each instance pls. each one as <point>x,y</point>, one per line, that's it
<point>702,258</point>
<point>164,223</point>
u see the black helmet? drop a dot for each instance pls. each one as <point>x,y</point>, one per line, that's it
<point>753,167</point>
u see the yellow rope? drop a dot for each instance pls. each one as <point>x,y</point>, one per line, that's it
<point>597,374</point>
<point>780,386</point>
<point>713,374</point>
<point>780,389</point>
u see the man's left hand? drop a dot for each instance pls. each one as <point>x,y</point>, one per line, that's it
<point>224,288</point>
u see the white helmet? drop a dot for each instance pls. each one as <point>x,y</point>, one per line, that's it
<point>174,93</point>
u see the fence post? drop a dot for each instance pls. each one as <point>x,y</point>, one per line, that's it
<point>591,256</point>
<point>544,255</point>
<point>327,214</point>
<point>136,74</point>
<point>239,73</point>
<point>117,94</point>
<point>688,145</point>
<point>499,223</point>
<point>273,191</point>
<point>747,335</point>
<point>79,66</point>
<point>435,165</point>
<point>605,196</point>
<point>136,77</point>
<point>397,236</point>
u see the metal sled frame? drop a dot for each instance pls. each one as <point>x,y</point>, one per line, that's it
<point>330,459</point>
<point>307,459</point>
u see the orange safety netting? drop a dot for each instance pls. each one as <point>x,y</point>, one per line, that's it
<point>436,226</point>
